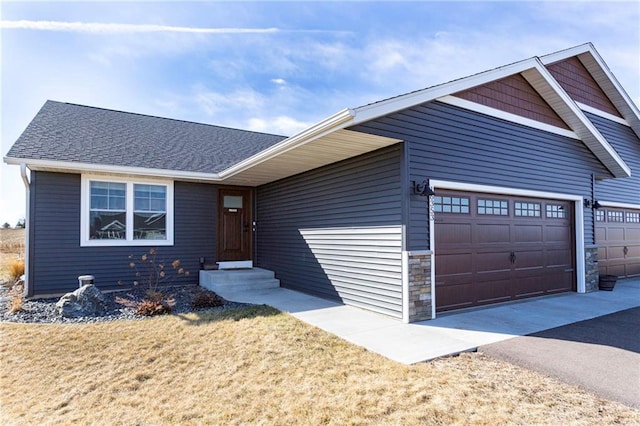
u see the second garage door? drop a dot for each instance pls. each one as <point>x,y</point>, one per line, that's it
<point>495,248</point>
<point>618,235</point>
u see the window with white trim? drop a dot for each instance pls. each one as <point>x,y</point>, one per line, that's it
<point>119,212</point>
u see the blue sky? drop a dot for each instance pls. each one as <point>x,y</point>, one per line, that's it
<point>275,67</point>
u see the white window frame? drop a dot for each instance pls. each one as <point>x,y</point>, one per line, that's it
<point>85,203</point>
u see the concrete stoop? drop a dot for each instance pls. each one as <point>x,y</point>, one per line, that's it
<point>223,281</point>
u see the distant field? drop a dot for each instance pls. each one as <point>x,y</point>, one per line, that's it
<point>11,249</point>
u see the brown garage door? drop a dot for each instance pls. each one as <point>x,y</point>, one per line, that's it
<point>618,235</point>
<point>496,248</point>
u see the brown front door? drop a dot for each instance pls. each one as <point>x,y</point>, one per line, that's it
<point>235,224</point>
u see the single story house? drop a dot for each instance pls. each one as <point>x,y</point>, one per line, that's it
<point>516,182</point>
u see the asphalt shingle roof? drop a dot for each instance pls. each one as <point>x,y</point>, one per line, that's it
<point>70,132</point>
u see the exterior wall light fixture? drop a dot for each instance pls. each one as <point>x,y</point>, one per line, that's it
<point>422,188</point>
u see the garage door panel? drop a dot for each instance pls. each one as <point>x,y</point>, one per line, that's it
<point>453,233</point>
<point>493,261</point>
<point>509,256</point>
<point>493,291</point>
<point>632,235</point>
<point>528,233</point>
<point>456,297</point>
<point>492,233</point>
<point>558,257</point>
<point>528,287</point>
<point>557,233</point>
<point>529,259</point>
<point>615,234</point>
<point>455,264</point>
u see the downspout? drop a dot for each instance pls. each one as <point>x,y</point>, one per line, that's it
<point>25,179</point>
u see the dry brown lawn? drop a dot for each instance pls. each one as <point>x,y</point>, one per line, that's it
<point>258,366</point>
<point>11,249</point>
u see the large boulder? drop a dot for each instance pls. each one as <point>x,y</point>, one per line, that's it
<point>85,301</point>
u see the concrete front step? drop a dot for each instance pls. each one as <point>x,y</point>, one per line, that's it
<point>223,281</point>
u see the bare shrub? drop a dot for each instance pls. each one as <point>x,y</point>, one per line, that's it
<point>206,300</point>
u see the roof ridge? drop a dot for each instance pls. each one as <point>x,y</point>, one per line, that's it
<point>165,118</point>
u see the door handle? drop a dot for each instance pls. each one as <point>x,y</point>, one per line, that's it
<point>625,250</point>
<point>513,257</point>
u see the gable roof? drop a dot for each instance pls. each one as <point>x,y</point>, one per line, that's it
<point>593,62</point>
<point>88,135</point>
<point>535,72</point>
<point>239,157</point>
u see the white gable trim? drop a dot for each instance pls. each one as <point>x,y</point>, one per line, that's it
<point>493,112</point>
<point>539,77</point>
<point>593,62</point>
<point>389,106</point>
<point>541,80</point>
<point>600,113</point>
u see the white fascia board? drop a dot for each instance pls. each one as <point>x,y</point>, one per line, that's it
<point>76,167</point>
<point>619,205</point>
<point>497,113</point>
<point>569,111</point>
<point>472,187</point>
<point>600,113</point>
<point>379,109</point>
<point>335,122</point>
<point>566,53</point>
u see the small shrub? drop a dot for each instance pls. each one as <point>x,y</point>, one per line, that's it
<point>206,300</point>
<point>17,298</point>
<point>16,269</point>
<point>150,308</point>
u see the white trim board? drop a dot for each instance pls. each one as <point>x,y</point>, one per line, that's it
<point>85,196</point>
<point>514,118</point>
<point>619,205</point>
<point>472,187</point>
<point>603,114</point>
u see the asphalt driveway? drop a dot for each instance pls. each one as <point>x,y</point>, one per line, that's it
<point>601,355</point>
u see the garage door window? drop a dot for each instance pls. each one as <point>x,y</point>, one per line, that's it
<point>527,209</point>
<point>633,217</point>
<point>615,216</point>
<point>493,207</point>
<point>556,211</point>
<point>451,205</point>
<point>599,215</point>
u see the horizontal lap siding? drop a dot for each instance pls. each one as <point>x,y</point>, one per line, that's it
<point>335,231</point>
<point>451,143</point>
<point>57,258</point>
<point>626,143</point>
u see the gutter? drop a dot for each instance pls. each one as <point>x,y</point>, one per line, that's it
<point>27,186</point>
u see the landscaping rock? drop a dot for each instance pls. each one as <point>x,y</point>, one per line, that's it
<point>85,301</point>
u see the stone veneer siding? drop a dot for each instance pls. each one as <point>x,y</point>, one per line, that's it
<point>420,291</point>
<point>592,275</point>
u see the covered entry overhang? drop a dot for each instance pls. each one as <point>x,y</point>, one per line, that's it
<point>325,143</point>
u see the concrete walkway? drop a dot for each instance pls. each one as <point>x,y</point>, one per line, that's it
<point>449,333</point>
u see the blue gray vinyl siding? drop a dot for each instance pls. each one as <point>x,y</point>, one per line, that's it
<point>455,144</point>
<point>57,258</point>
<point>336,231</point>
<point>626,143</point>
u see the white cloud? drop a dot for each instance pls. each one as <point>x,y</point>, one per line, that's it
<point>281,125</point>
<point>279,81</point>
<point>116,28</point>
<point>240,100</point>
